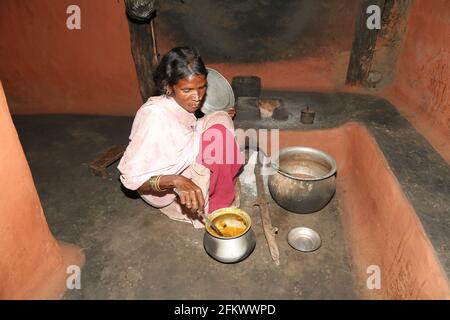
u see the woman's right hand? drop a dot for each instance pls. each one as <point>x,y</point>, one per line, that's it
<point>190,194</point>
<point>232,112</point>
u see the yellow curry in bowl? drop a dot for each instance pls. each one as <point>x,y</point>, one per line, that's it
<point>230,224</point>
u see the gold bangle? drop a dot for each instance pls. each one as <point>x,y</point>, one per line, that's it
<point>157,184</point>
<point>152,184</point>
<point>158,188</point>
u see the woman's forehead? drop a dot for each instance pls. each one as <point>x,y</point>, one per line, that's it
<point>192,81</point>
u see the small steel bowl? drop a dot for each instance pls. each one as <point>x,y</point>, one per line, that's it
<point>304,239</point>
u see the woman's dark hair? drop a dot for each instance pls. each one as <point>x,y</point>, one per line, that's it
<point>178,63</point>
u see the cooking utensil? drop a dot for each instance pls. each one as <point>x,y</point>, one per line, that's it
<point>230,249</point>
<point>219,94</point>
<point>305,180</point>
<point>304,239</point>
<point>246,86</point>
<point>307,116</point>
<point>212,225</point>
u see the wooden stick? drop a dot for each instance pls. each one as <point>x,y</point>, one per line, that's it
<point>263,203</point>
<point>103,160</point>
<point>155,59</point>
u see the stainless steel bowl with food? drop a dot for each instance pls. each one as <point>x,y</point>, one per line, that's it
<point>237,240</point>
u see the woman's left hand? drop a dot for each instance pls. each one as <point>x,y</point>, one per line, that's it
<point>232,112</point>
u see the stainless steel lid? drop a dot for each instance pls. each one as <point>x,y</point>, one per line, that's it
<point>219,94</point>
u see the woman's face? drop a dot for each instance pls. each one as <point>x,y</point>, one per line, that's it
<point>189,92</point>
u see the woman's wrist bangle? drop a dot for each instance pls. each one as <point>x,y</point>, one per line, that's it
<point>157,183</point>
<point>152,183</point>
<point>158,188</point>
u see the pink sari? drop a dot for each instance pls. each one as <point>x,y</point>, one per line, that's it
<point>166,139</point>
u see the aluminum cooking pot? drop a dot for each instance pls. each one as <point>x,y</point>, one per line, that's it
<point>230,249</point>
<point>304,179</point>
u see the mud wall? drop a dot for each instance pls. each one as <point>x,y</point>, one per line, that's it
<point>33,264</point>
<point>421,88</point>
<point>293,45</point>
<point>46,68</point>
<point>381,227</point>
